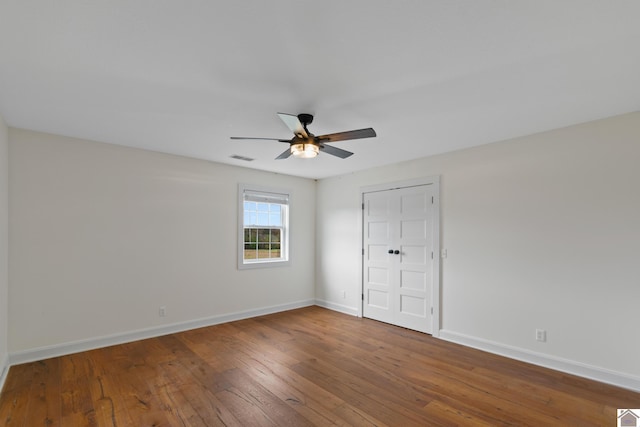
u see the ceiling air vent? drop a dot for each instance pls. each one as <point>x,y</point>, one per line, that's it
<point>238,157</point>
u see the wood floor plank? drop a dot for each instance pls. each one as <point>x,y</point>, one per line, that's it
<point>302,401</point>
<point>199,404</point>
<point>14,400</point>
<point>359,394</point>
<point>45,407</point>
<point>76,402</point>
<point>109,404</point>
<point>450,383</point>
<point>111,365</point>
<point>259,396</point>
<point>305,396</point>
<point>305,367</point>
<point>447,415</point>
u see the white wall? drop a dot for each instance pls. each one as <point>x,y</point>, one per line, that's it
<point>4,247</point>
<point>541,231</point>
<point>102,236</point>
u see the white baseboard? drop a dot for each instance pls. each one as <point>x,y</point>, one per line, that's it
<point>595,373</point>
<point>337,307</point>
<point>42,353</point>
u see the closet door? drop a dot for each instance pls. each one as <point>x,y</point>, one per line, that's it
<point>398,256</point>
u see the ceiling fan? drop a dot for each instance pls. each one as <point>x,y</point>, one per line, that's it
<point>306,145</point>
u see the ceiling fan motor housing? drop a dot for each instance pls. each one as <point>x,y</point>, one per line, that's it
<point>305,119</point>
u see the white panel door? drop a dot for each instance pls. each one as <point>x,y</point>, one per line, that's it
<point>398,259</point>
<point>379,231</point>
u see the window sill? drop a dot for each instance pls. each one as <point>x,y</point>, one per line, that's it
<point>262,264</point>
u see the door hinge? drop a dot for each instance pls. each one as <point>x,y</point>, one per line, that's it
<point>362,251</point>
<point>431,310</point>
<point>362,297</point>
<point>431,199</point>
<point>363,206</point>
<point>431,255</point>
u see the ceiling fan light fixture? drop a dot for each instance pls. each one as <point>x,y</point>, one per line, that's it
<point>305,151</point>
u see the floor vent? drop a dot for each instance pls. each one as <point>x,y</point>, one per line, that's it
<point>238,157</point>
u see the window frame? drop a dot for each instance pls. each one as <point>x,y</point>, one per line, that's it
<point>268,192</point>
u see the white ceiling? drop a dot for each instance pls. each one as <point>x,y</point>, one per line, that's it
<point>429,76</point>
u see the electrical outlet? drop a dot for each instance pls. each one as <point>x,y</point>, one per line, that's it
<point>162,311</point>
<point>541,335</point>
<point>344,294</point>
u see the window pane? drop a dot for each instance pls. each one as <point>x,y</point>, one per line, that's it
<point>275,236</point>
<point>263,235</point>
<point>249,206</point>
<point>263,250</point>
<point>253,235</point>
<point>250,252</point>
<point>274,219</point>
<point>263,207</point>
<point>263,218</point>
<point>251,219</point>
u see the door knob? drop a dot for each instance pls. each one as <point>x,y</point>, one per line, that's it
<point>396,252</point>
<point>390,251</point>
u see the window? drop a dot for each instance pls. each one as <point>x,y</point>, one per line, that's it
<point>264,227</point>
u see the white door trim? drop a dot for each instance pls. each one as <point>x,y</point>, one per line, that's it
<point>431,180</point>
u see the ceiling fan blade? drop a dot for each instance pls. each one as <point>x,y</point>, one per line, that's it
<point>335,151</point>
<point>294,124</point>
<point>344,136</point>
<point>285,154</point>
<point>268,139</point>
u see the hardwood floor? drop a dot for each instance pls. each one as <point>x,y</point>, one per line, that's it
<point>300,368</point>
